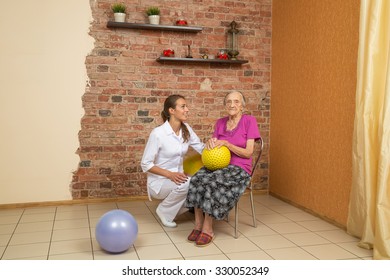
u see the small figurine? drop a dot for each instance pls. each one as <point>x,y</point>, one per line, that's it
<point>189,55</point>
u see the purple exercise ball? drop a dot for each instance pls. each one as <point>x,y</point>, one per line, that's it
<point>116,231</point>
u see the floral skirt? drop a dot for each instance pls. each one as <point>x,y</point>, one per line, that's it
<point>216,192</point>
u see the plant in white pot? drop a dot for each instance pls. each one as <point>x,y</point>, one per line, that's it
<point>119,10</point>
<point>154,15</point>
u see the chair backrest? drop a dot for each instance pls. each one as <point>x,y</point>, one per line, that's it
<point>258,155</point>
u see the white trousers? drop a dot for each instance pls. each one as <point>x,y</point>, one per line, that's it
<point>173,197</point>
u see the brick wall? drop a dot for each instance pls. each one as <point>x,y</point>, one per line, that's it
<point>127,86</point>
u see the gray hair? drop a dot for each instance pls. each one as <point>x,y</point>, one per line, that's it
<point>243,101</point>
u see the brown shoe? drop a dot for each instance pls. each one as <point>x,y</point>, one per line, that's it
<point>204,239</point>
<point>193,235</point>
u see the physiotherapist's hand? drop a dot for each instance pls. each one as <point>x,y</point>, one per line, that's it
<point>178,178</point>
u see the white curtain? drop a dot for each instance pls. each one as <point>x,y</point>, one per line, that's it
<point>369,209</point>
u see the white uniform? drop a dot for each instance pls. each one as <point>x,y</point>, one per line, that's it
<point>166,150</point>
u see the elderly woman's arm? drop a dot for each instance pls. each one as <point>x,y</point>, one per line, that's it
<point>241,152</point>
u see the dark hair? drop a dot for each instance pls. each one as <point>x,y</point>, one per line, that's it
<point>170,102</point>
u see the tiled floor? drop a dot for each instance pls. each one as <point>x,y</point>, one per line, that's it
<point>284,232</point>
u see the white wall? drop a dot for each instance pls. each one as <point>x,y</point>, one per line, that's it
<point>43,47</point>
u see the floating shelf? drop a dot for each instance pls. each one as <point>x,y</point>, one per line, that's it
<point>200,60</point>
<point>130,25</point>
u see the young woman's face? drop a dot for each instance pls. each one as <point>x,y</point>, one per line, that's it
<point>234,104</point>
<point>180,112</point>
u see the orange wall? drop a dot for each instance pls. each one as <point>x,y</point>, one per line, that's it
<point>314,56</point>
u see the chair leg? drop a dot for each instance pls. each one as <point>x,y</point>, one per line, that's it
<point>236,221</point>
<point>253,210</point>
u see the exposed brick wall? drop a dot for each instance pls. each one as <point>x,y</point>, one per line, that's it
<point>127,86</point>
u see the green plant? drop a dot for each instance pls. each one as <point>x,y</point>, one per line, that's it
<point>118,8</point>
<point>153,11</point>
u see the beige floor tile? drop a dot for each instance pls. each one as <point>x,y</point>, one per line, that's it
<point>93,222</point>
<point>355,249</point>
<point>30,237</point>
<point>290,254</point>
<point>7,229</point>
<point>72,215</point>
<point>36,258</point>
<point>70,246</point>
<point>181,225</point>
<point>337,236</point>
<point>148,239</point>
<point>71,208</point>
<point>328,252</point>
<point>8,220</point>
<point>271,242</point>
<point>73,256</point>
<point>26,251</point>
<point>98,213</point>
<point>144,218</point>
<point>281,228</point>
<point>34,227</point>
<point>268,200</point>
<point>306,238</point>
<point>301,216</point>
<point>70,234</point>
<point>4,239</point>
<point>179,236</point>
<point>284,228</point>
<point>11,212</point>
<point>318,225</point>
<point>136,210</point>
<point>107,206</point>
<point>188,249</point>
<point>235,245</point>
<point>262,210</point>
<point>209,257</point>
<point>149,228</point>
<point>260,230</point>
<point>71,224</point>
<point>130,254</point>
<point>225,233</point>
<point>158,252</point>
<point>39,210</point>
<point>33,218</point>
<point>249,255</point>
<point>132,204</point>
<point>283,209</point>
<point>243,219</point>
<point>272,218</point>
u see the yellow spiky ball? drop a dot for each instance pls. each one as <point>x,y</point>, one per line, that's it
<point>216,158</point>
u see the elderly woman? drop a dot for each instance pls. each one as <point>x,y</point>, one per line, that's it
<point>213,194</point>
<point>163,159</point>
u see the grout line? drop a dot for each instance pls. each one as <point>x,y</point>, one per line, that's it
<point>12,234</point>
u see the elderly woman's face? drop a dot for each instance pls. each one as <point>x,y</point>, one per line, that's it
<point>234,104</point>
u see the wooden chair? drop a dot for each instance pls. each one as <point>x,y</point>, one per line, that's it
<point>249,189</point>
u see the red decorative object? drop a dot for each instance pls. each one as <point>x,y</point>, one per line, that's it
<point>223,55</point>
<point>181,22</point>
<point>168,53</point>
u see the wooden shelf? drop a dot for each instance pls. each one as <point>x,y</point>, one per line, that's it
<point>200,60</point>
<point>160,27</point>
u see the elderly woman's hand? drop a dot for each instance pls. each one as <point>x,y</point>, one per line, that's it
<point>215,143</point>
<point>210,144</point>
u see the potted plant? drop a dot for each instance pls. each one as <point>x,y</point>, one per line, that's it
<point>154,15</point>
<point>119,10</point>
